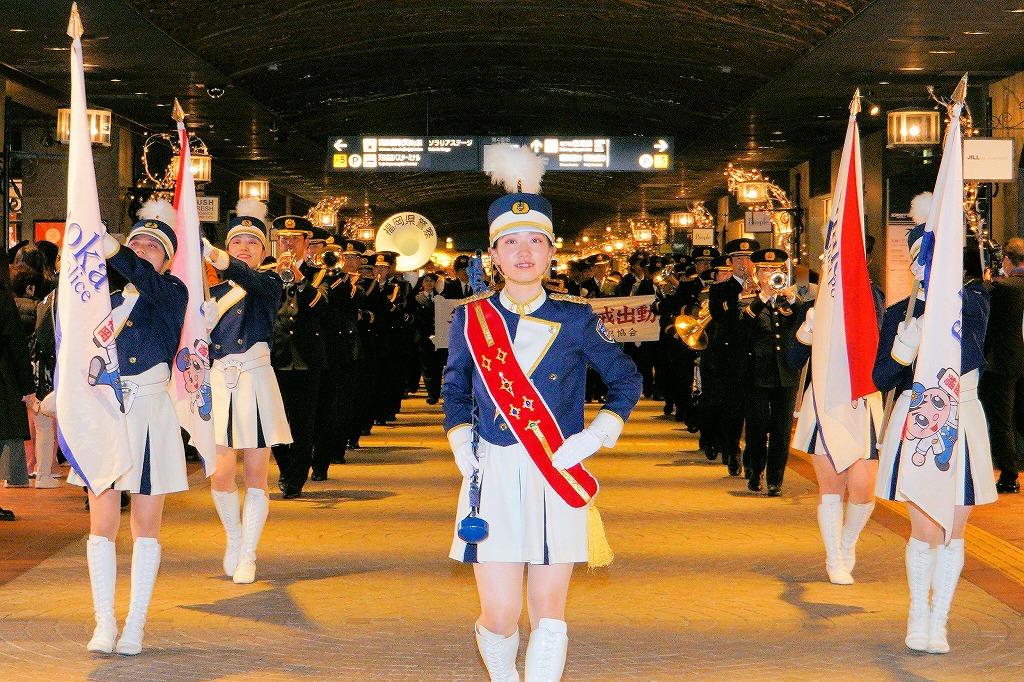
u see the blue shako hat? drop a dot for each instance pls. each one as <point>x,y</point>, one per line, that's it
<point>520,212</point>
<point>159,230</point>
<point>250,220</point>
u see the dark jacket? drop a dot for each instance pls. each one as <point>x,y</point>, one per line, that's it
<point>298,337</point>
<point>15,372</point>
<point>1004,344</point>
<point>769,330</point>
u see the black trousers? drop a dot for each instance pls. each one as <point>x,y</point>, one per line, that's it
<point>769,426</point>
<point>333,415</point>
<point>722,413</point>
<point>1002,397</point>
<point>299,389</point>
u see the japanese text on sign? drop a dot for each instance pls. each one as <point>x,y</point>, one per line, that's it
<point>628,318</point>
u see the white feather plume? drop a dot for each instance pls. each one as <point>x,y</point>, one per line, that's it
<point>920,206</point>
<point>509,166</point>
<point>254,208</point>
<point>158,209</point>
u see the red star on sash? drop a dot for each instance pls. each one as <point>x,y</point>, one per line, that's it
<point>486,362</point>
<point>500,356</point>
<point>506,385</point>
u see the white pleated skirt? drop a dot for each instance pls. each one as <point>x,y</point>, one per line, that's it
<point>251,413</point>
<point>975,478</point>
<point>154,436</point>
<point>528,521</point>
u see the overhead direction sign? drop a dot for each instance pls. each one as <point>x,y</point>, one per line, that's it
<point>465,153</point>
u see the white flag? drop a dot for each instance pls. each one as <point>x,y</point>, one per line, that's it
<point>190,385</point>
<point>91,426</point>
<point>932,440</point>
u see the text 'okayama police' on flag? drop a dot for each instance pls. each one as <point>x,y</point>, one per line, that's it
<point>91,426</point>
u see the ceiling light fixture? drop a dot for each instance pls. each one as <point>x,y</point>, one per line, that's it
<point>976,33</point>
<point>99,126</point>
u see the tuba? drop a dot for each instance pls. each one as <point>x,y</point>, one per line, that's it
<point>328,258</point>
<point>410,235</point>
<point>692,330</point>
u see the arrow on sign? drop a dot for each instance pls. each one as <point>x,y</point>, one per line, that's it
<point>661,145</point>
<point>339,145</point>
<point>536,146</point>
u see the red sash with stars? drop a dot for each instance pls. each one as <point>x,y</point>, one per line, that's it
<point>521,404</point>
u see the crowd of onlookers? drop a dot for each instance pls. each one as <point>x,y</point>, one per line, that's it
<point>27,362</point>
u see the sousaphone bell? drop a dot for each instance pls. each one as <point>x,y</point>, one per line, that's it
<point>411,235</point>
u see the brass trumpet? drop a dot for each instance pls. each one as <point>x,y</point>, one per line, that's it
<point>610,283</point>
<point>693,330</point>
<point>284,264</point>
<point>329,258</point>
<point>665,280</point>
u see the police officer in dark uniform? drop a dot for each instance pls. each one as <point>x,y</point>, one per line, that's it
<point>299,354</point>
<point>341,331</point>
<point>638,283</point>
<point>769,323</point>
<point>458,287</point>
<point>369,331</point>
<point>396,335</point>
<point>726,353</point>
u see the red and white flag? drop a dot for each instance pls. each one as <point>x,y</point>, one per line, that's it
<point>190,377</point>
<point>932,438</point>
<point>846,403</point>
<point>91,426</point>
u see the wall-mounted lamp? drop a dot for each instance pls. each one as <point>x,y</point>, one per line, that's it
<point>914,127</point>
<point>681,219</point>
<point>254,189</point>
<point>99,126</point>
<point>752,192</point>
<point>202,166</point>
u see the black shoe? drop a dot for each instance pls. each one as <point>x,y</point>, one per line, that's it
<point>774,491</point>
<point>378,422</point>
<point>711,455</point>
<point>338,460</point>
<point>1007,487</point>
<point>281,485</point>
<point>667,410</point>
<point>318,477</point>
<point>734,466</point>
<point>754,485</point>
<point>8,515</point>
<point>291,493</point>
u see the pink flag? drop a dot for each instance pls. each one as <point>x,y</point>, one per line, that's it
<point>190,385</point>
<point>91,426</point>
<point>845,332</point>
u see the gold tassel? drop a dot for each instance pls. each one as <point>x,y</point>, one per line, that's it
<point>599,552</point>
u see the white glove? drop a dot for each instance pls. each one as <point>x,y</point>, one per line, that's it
<point>806,330</point>
<point>214,256</point>
<point>209,311</point>
<point>907,341</point>
<point>577,448</point>
<point>110,245</point>
<point>466,460</point>
<point>460,439</point>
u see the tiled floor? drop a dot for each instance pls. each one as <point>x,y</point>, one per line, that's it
<point>709,582</point>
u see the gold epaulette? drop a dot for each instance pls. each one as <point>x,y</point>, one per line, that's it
<point>478,297</point>
<point>568,297</point>
<point>266,268</point>
<point>318,278</point>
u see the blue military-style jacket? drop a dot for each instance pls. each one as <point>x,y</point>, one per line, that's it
<point>577,339</point>
<point>152,330</point>
<point>889,373</point>
<point>247,304</point>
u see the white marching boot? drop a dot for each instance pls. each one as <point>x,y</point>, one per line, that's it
<point>545,655</point>
<point>949,561</point>
<point>145,565</point>
<point>920,568</point>
<point>102,558</point>
<point>830,522</point>
<point>229,511</point>
<point>254,516</point>
<point>499,654</point>
<point>857,516</point>
<point>44,444</point>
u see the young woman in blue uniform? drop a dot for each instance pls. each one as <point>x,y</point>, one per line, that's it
<point>934,559</point>
<point>248,413</point>
<point>552,339</point>
<point>148,314</point>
